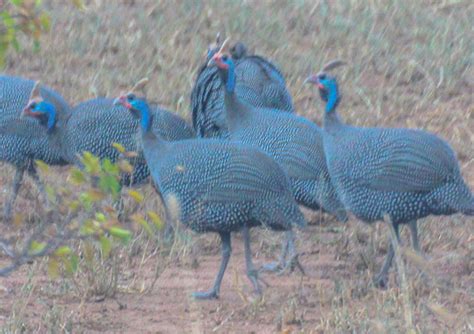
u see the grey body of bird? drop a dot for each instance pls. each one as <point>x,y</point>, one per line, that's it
<point>407,174</point>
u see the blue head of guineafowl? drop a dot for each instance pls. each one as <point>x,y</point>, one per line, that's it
<point>44,111</point>
<point>138,107</point>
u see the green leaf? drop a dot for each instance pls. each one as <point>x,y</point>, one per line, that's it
<point>16,3</point>
<point>141,221</point>
<point>42,166</point>
<point>86,201</point>
<point>99,216</point>
<point>45,21</point>
<point>106,246</point>
<point>63,251</point>
<point>138,197</point>
<point>73,263</point>
<point>36,247</point>
<point>91,163</point>
<point>109,184</point>
<point>88,230</point>
<point>110,167</point>
<point>156,220</point>
<point>51,193</point>
<point>120,233</point>
<point>7,19</point>
<point>119,147</point>
<point>74,206</point>
<point>79,4</point>
<point>77,176</point>
<point>53,267</point>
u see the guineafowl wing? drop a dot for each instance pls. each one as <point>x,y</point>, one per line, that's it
<point>299,162</point>
<point>296,144</point>
<point>22,127</point>
<point>404,160</point>
<point>248,177</point>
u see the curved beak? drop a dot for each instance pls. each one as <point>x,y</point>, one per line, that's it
<point>313,79</point>
<point>26,112</point>
<point>122,100</point>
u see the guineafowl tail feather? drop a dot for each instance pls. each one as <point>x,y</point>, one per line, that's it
<point>283,214</point>
<point>459,197</point>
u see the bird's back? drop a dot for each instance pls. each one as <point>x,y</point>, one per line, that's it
<point>217,185</point>
<point>406,173</point>
<point>96,124</point>
<point>291,140</point>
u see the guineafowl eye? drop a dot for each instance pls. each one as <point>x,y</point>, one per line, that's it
<point>131,97</point>
<point>322,76</point>
<point>33,105</point>
<point>224,57</point>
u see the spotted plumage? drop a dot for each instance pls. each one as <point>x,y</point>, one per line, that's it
<point>258,82</point>
<point>96,124</point>
<point>217,186</point>
<point>403,173</point>
<point>23,140</point>
<point>293,141</point>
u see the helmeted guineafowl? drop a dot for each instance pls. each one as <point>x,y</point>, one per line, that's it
<point>217,186</point>
<point>293,141</point>
<point>22,141</point>
<point>403,173</point>
<point>258,82</point>
<point>96,124</point>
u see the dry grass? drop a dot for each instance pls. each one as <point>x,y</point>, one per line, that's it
<point>410,64</point>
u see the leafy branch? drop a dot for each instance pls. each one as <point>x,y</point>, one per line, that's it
<point>24,17</point>
<point>81,210</point>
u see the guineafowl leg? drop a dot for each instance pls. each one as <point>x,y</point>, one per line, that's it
<point>39,184</point>
<point>34,175</point>
<point>293,261</point>
<point>381,279</point>
<point>7,213</point>
<point>252,274</point>
<point>226,251</point>
<point>414,235</point>
<point>277,266</point>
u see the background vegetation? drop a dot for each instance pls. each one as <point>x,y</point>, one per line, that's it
<point>410,65</point>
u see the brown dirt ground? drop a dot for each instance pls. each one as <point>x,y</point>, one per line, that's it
<point>291,303</point>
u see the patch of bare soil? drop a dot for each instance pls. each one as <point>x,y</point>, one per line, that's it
<point>335,274</point>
